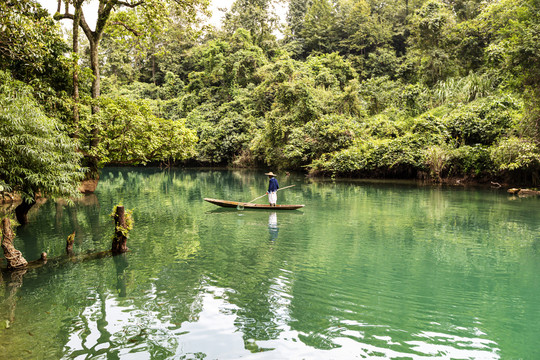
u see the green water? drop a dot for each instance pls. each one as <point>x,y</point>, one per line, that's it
<point>365,270</point>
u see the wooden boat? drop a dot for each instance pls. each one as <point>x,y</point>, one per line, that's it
<point>238,204</point>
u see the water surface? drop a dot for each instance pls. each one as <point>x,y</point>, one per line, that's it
<point>365,270</point>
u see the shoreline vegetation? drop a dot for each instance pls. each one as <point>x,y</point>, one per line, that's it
<point>442,92</point>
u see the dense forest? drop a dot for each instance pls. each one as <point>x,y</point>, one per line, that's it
<point>405,89</point>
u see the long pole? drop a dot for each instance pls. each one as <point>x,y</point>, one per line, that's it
<point>286,187</point>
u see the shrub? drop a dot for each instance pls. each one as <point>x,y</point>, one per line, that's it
<point>36,155</point>
<point>470,160</point>
<point>436,159</point>
<point>482,121</point>
<point>516,154</point>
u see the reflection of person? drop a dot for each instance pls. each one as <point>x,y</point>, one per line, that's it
<point>272,188</point>
<point>272,226</point>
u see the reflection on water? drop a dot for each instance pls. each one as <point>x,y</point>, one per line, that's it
<point>365,270</point>
<point>273,229</point>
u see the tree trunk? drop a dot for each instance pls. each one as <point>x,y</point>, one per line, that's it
<point>154,68</point>
<point>76,21</point>
<point>21,211</point>
<point>92,161</point>
<point>14,258</point>
<point>120,235</point>
<point>94,64</point>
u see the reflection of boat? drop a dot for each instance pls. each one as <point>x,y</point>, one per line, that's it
<point>233,204</point>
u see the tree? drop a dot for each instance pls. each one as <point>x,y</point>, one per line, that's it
<point>32,49</point>
<point>430,29</point>
<point>256,16</point>
<point>515,49</point>
<point>153,12</point>
<point>319,30</point>
<point>36,156</point>
<point>295,16</point>
<point>132,135</point>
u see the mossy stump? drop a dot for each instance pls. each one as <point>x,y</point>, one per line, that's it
<point>119,243</point>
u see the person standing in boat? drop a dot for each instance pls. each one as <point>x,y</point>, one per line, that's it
<point>272,188</point>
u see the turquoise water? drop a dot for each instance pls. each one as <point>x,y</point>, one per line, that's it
<point>366,270</point>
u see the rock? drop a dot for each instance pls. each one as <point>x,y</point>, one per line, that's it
<point>523,192</point>
<point>528,192</point>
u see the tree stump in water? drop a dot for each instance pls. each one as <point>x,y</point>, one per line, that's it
<point>121,230</point>
<point>14,258</point>
<point>69,244</point>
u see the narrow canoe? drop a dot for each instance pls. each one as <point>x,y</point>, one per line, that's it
<point>233,204</point>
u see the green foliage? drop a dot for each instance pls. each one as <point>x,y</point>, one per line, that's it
<point>400,156</point>
<point>328,134</point>
<point>331,70</point>
<point>257,17</point>
<point>220,67</point>
<point>430,23</point>
<point>35,154</point>
<point>466,89</point>
<point>132,134</point>
<point>295,16</point>
<point>33,51</point>
<point>430,28</point>
<point>318,30</point>
<point>365,87</point>
<point>380,93</point>
<point>362,30</point>
<point>470,160</point>
<point>436,158</point>
<point>31,45</point>
<point>128,216</point>
<point>482,121</point>
<point>304,105</point>
<point>223,131</point>
<point>516,154</point>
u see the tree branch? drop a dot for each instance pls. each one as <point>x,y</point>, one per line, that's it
<point>135,32</point>
<point>125,3</point>
<point>63,16</point>
<point>103,15</point>
<point>82,21</point>
<point>84,25</point>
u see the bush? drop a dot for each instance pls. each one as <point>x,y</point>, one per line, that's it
<point>327,134</point>
<point>467,160</point>
<point>436,159</point>
<point>223,131</point>
<point>132,134</point>
<point>380,93</point>
<point>482,121</point>
<point>402,156</point>
<point>516,154</point>
<point>36,155</point>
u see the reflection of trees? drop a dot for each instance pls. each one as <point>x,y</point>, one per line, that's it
<point>63,290</point>
<point>356,250</point>
<point>447,241</point>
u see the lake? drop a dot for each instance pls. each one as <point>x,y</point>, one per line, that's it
<point>378,270</point>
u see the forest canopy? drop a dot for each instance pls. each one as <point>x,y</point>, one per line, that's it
<point>429,88</point>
